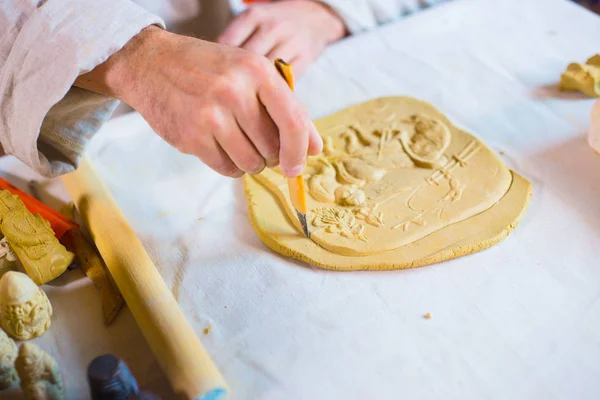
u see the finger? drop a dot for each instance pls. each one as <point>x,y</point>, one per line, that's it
<point>262,41</point>
<point>300,63</point>
<point>286,51</point>
<point>240,150</point>
<point>240,29</point>
<point>213,155</point>
<point>291,120</point>
<point>262,132</point>
<point>315,142</point>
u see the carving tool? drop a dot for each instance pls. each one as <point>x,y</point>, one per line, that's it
<point>90,262</point>
<point>185,362</point>
<point>295,185</point>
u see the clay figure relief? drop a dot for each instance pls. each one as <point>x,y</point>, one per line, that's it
<point>25,310</point>
<point>391,173</point>
<point>32,240</point>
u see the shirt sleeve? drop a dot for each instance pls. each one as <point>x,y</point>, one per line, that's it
<point>363,15</point>
<point>45,45</point>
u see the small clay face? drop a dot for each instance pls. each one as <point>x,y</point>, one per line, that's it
<point>25,310</point>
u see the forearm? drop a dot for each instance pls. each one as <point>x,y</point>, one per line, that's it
<point>45,46</point>
<point>119,75</point>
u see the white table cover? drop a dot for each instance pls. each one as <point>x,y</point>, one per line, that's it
<point>518,321</point>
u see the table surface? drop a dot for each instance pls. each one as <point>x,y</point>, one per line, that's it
<point>518,321</point>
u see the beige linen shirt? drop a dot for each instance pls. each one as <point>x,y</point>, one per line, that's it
<point>46,44</point>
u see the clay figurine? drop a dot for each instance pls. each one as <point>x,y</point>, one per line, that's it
<point>25,310</point>
<point>39,374</point>
<point>32,239</point>
<point>8,354</point>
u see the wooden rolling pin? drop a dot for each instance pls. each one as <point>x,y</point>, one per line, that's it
<point>174,343</point>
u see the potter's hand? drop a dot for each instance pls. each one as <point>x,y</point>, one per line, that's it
<point>228,106</point>
<point>294,30</point>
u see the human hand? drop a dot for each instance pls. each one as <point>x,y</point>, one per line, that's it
<point>296,31</point>
<point>227,106</point>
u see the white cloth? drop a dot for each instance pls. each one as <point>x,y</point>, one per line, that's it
<point>519,321</point>
<point>46,44</point>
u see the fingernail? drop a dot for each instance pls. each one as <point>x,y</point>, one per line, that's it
<point>295,171</point>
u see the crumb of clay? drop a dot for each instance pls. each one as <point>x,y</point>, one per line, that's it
<point>207,330</point>
<point>427,316</point>
<point>502,153</point>
<point>225,307</point>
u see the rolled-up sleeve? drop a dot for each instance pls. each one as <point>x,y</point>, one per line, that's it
<point>44,46</point>
<point>364,15</point>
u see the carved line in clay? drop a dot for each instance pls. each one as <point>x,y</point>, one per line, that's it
<point>454,194</point>
<point>417,220</point>
<point>469,151</point>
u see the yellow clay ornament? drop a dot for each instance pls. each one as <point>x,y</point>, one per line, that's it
<point>32,240</point>
<point>25,310</point>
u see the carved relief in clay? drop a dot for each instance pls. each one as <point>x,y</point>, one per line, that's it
<point>8,355</point>
<point>338,221</point>
<point>426,145</point>
<point>25,310</point>
<point>32,239</point>
<point>396,186</point>
<point>349,195</point>
<point>323,184</point>
<point>39,374</point>
<point>423,139</point>
<point>399,158</point>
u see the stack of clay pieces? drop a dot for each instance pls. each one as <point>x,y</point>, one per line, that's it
<point>584,78</point>
<point>25,313</point>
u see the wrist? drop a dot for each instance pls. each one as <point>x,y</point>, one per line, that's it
<point>119,75</point>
